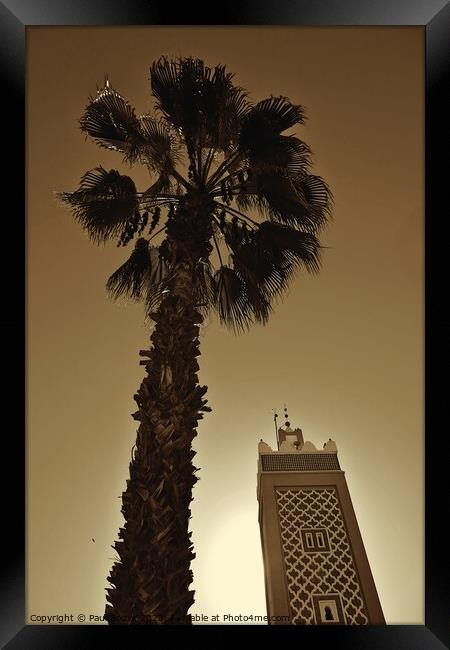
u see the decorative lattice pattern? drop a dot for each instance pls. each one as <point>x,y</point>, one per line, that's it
<point>299,462</point>
<point>318,573</point>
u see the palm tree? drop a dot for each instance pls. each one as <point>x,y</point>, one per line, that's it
<point>215,256</point>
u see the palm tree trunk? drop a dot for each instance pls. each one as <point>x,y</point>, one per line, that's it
<point>150,583</point>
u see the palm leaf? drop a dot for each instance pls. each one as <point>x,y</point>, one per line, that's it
<point>230,300</point>
<point>265,275</point>
<point>161,185</point>
<point>257,292</point>
<point>267,119</point>
<point>284,245</point>
<point>269,259</point>
<point>300,201</point>
<point>111,121</point>
<point>104,203</point>
<point>277,153</point>
<point>129,278</point>
<point>199,101</point>
<point>157,147</point>
<point>261,273</point>
<point>274,115</point>
<point>234,234</point>
<point>261,140</point>
<point>315,191</point>
<point>221,106</point>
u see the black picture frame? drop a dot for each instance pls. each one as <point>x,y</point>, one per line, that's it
<point>15,17</point>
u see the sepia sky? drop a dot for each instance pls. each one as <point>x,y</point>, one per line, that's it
<point>343,351</point>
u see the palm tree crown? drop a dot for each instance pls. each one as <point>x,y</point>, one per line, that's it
<point>239,161</point>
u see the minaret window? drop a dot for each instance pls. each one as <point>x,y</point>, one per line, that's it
<point>328,609</point>
<point>315,540</point>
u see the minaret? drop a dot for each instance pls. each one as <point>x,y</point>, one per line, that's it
<point>316,568</point>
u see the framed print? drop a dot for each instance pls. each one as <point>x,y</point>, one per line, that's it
<point>267,185</point>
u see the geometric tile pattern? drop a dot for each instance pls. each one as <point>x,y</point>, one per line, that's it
<point>311,574</point>
<point>299,462</point>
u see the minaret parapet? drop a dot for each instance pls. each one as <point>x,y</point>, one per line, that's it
<point>298,446</point>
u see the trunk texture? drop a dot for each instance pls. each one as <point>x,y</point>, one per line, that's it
<point>150,583</point>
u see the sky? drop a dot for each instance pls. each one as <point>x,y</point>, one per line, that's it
<point>344,350</point>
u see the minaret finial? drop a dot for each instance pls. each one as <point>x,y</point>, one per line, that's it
<point>286,417</point>
<point>275,416</point>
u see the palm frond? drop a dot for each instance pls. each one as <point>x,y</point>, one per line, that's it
<point>274,114</point>
<point>262,274</point>
<point>277,154</point>
<point>160,186</point>
<point>111,121</point>
<point>315,191</point>
<point>204,285</point>
<point>230,299</point>
<point>231,108</point>
<point>281,155</point>
<point>199,101</point>
<point>157,146</point>
<point>234,234</point>
<point>280,243</point>
<point>301,201</point>
<point>269,259</point>
<point>165,89</point>
<point>129,278</point>
<point>104,203</point>
<point>259,293</point>
<point>158,279</point>
<point>286,153</point>
<point>222,106</point>
<point>267,119</point>
<point>261,140</point>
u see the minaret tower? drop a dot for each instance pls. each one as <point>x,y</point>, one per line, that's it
<point>316,568</point>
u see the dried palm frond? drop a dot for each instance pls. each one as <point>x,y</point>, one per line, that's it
<point>129,279</point>
<point>158,279</point>
<point>204,285</point>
